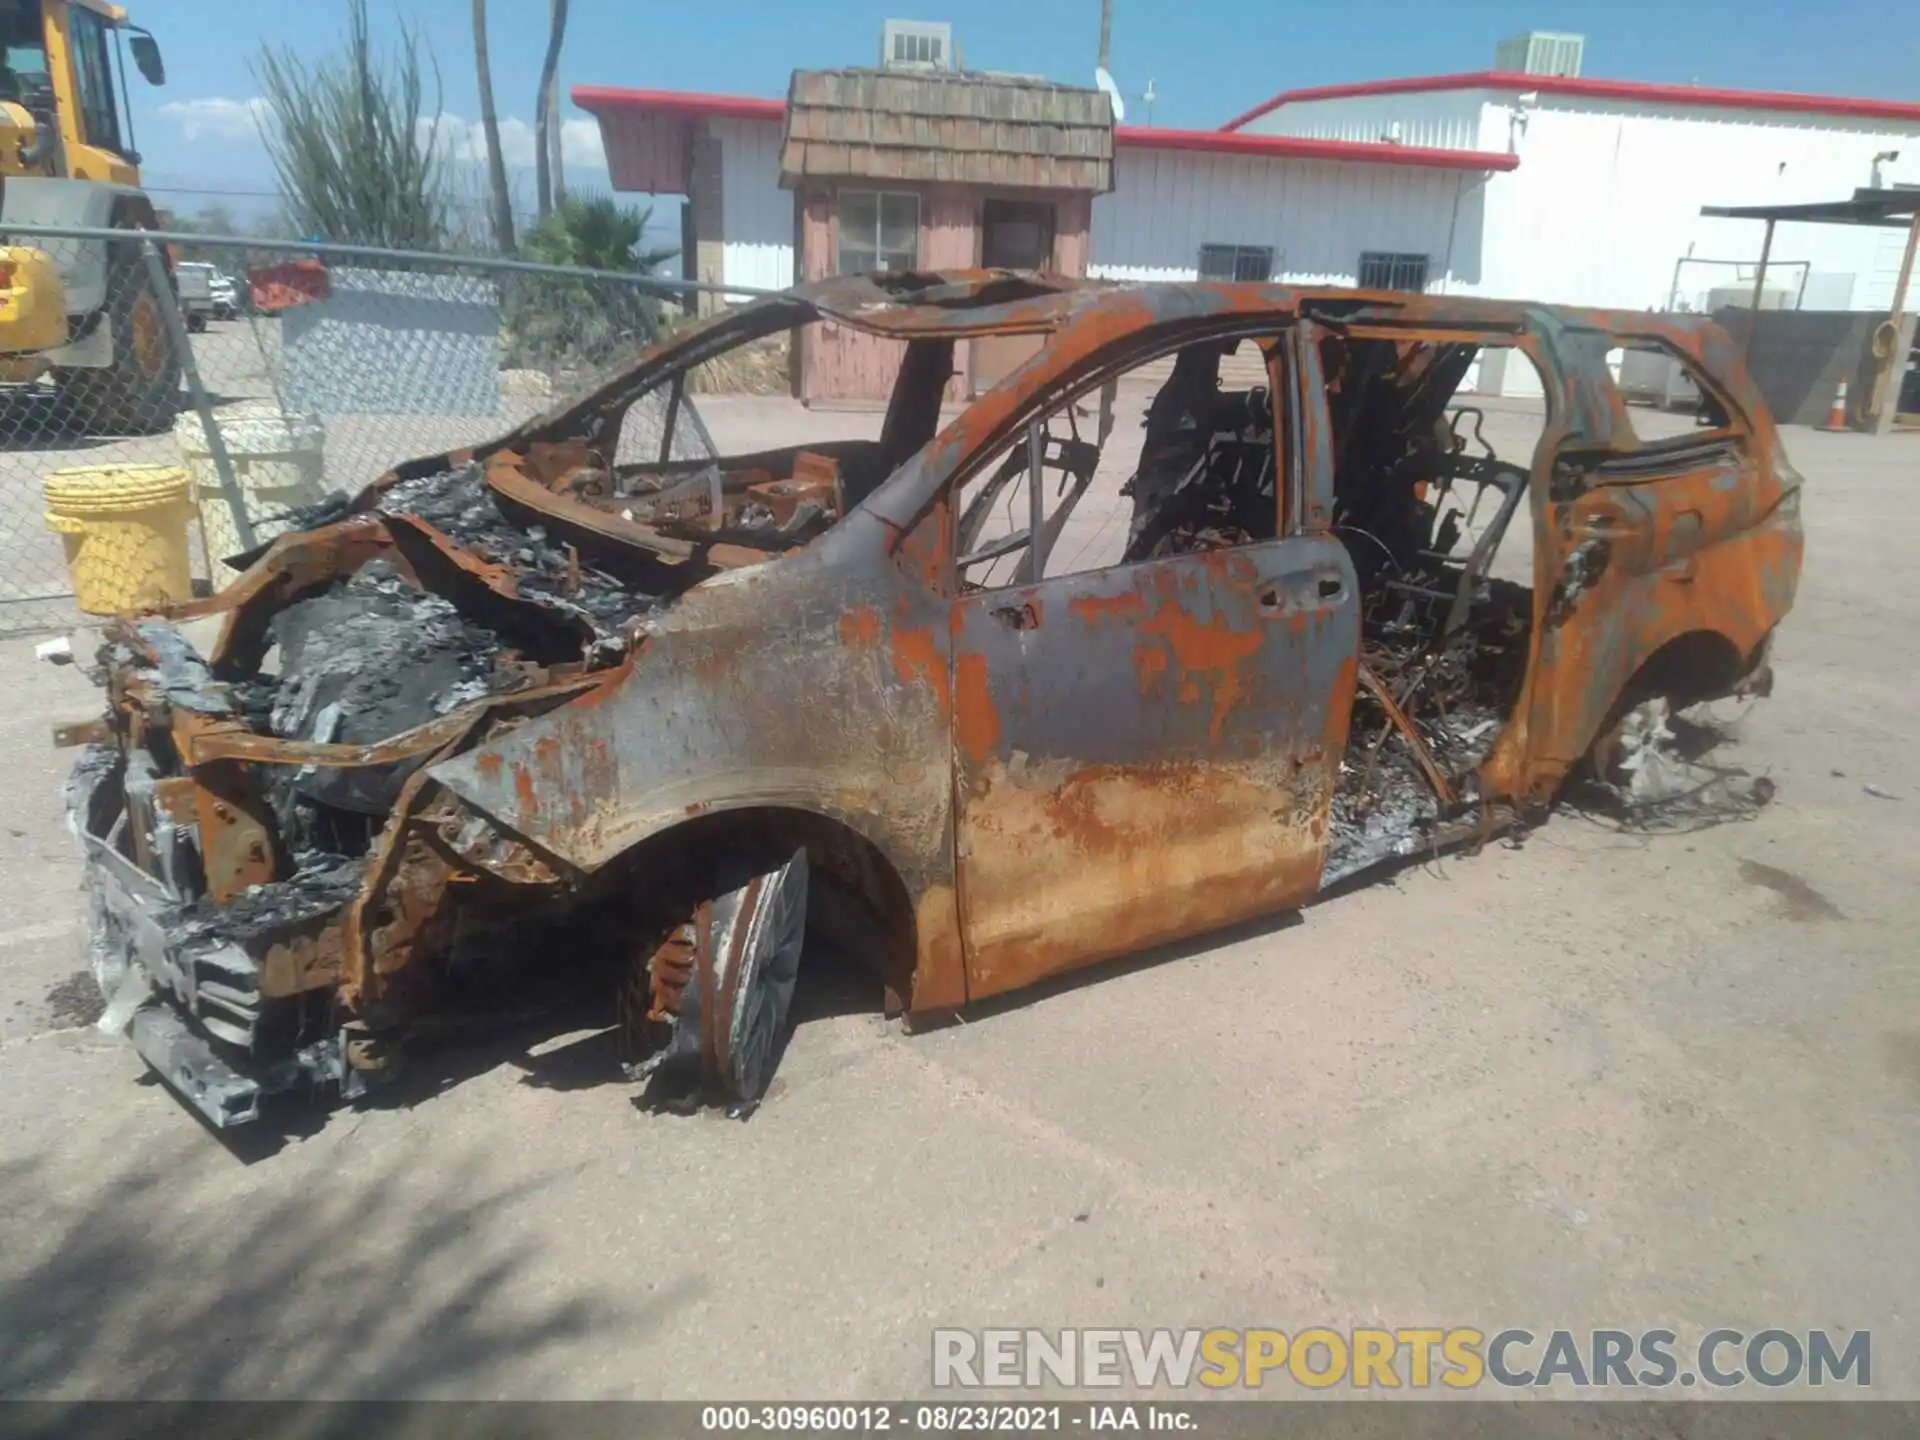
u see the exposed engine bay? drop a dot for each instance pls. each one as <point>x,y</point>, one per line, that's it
<point>383,635</point>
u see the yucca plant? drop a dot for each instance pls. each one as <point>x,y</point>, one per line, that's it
<point>353,143</point>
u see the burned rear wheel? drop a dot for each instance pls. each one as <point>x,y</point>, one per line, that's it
<point>703,1012</point>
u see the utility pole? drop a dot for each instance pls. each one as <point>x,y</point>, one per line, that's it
<point>1106,30</point>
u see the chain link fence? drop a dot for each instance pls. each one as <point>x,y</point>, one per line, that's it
<point>165,400</point>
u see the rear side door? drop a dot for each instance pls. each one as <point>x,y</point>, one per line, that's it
<point>1146,751</point>
<point>1657,526</point>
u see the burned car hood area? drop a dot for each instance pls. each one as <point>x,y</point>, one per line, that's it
<point>596,697</point>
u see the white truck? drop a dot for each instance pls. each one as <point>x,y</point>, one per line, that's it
<point>194,281</point>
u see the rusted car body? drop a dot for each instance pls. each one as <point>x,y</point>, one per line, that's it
<point>677,665</point>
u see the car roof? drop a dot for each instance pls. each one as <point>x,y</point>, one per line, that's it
<point>962,302</point>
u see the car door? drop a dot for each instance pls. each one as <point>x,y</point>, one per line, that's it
<point>1146,751</point>
<point>1637,552</point>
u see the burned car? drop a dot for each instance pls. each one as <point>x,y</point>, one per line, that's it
<point>999,693</point>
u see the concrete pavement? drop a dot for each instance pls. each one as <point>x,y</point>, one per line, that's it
<point>1594,1079</point>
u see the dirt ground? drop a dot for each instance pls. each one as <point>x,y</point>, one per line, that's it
<point>1592,1079</point>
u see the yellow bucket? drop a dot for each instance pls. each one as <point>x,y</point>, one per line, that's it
<point>125,531</point>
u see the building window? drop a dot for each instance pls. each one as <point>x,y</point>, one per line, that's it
<point>879,230</point>
<point>1236,262</point>
<point>1390,270</point>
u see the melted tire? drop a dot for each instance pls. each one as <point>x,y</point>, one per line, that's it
<point>733,965</point>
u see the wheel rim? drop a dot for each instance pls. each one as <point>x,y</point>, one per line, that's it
<point>147,335</point>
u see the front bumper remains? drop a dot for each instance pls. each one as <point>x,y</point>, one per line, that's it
<point>187,997</point>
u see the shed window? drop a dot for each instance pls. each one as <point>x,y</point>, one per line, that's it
<point>1236,262</point>
<point>1392,270</point>
<point>879,230</point>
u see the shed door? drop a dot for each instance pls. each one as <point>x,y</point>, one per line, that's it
<point>1014,235</point>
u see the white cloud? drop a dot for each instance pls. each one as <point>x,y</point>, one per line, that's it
<point>466,140</point>
<point>580,144</point>
<point>216,117</point>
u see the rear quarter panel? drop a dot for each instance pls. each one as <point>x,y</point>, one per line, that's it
<point>1640,544</point>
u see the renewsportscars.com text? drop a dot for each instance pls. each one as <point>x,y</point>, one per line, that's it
<point>1417,1358</point>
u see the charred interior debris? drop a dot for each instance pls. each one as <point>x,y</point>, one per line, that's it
<point>459,505</point>
<point>1422,502</point>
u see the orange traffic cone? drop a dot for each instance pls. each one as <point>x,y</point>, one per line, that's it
<point>1837,414</point>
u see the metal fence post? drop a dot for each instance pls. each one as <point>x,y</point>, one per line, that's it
<point>183,345</point>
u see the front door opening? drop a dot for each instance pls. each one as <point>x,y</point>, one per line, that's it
<point>1431,492</point>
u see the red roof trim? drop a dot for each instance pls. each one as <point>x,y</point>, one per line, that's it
<point>600,100</point>
<point>607,100</point>
<point>1294,147</point>
<point>1689,95</point>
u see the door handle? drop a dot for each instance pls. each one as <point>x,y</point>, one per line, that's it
<point>1326,589</point>
<point>1017,617</point>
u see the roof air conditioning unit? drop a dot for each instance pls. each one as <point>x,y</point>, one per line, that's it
<point>1540,52</point>
<point>916,45</point>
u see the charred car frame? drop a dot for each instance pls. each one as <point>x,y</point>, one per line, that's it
<point>676,713</point>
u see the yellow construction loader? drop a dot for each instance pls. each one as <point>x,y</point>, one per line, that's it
<point>83,312</point>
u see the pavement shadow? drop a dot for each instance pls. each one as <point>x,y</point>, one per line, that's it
<point>558,1030</point>
<point>377,1283</point>
<point>34,420</point>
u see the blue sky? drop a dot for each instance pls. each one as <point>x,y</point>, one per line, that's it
<point>1208,59</point>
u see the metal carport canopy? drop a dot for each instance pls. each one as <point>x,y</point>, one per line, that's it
<point>1885,209</point>
<point>1893,209</point>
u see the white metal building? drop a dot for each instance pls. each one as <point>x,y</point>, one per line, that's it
<point>1502,183</point>
<point>1603,207</point>
<point>1193,204</point>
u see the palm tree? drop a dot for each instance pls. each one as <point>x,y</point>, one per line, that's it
<point>558,146</point>
<point>572,325</point>
<point>546,106</point>
<point>490,123</point>
<point>596,232</point>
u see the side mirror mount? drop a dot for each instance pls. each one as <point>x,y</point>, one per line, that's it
<point>146,55</point>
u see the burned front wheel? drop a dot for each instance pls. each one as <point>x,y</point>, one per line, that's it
<point>704,1012</point>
